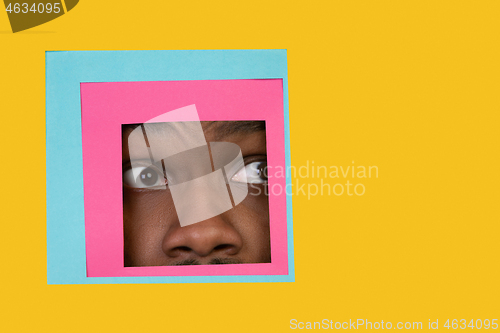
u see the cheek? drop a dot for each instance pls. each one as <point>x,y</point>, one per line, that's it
<point>251,219</point>
<point>147,216</point>
<point>257,200</point>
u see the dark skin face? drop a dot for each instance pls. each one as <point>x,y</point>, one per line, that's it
<point>153,235</point>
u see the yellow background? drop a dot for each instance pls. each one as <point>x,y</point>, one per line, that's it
<point>411,87</point>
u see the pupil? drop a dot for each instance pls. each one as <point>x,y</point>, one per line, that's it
<point>148,177</point>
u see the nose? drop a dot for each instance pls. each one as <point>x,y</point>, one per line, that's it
<point>214,237</point>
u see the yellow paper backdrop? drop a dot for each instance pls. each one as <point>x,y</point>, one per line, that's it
<point>409,86</point>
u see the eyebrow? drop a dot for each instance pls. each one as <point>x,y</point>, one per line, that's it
<point>226,128</point>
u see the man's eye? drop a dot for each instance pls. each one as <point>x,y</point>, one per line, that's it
<point>253,173</point>
<point>147,177</point>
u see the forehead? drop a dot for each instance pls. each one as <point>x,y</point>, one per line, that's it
<point>250,135</point>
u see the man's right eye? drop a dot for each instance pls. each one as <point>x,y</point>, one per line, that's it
<point>147,177</point>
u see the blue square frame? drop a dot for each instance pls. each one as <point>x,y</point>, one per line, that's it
<point>66,259</point>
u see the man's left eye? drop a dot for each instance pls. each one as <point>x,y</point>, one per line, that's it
<point>252,173</point>
<point>148,177</point>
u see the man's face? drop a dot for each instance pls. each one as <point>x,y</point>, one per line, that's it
<point>153,235</point>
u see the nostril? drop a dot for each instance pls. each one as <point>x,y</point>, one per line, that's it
<point>223,247</point>
<point>179,251</point>
<point>182,249</point>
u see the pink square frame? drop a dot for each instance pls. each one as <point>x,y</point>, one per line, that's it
<point>108,105</point>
